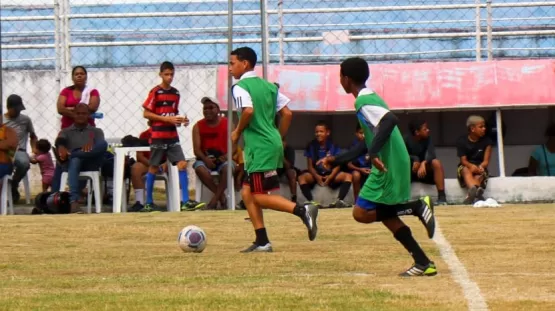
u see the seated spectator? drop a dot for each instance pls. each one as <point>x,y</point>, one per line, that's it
<point>289,170</point>
<point>542,160</point>
<point>8,146</point>
<point>80,147</point>
<point>210,147</point>
<point>139,170</point>
<point>23,126</point>
<point>323,176</point>
<point>44,159</point>
<point>360,168</point>
<point>474,151</point>
<point>426,168</point>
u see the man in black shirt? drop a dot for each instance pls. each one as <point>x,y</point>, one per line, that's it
<point>474,151</point>
<point>426,168</point>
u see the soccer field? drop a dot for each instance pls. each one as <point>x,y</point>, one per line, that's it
<point>133,262</point>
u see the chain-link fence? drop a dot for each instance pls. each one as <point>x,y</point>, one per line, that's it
<point>122,43</point>
<point>327,31</point>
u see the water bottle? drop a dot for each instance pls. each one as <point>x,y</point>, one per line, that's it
<point>97,115</point>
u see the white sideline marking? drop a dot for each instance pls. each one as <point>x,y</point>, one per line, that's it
<point>470,289</point>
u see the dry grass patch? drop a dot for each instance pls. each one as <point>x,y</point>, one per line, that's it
<point>508,251</point>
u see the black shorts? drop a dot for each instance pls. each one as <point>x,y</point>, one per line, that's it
<point>428,179</point>
<point>159,153</point>
<point>333,185</point>
<point>262,182</point>
<point>460,177</point>
<point>363,178</point>
<point>282,171</point>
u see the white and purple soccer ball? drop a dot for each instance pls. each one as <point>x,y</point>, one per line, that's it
<point>192,239</point>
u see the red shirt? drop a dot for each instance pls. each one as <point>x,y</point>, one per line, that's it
<point>214,138</point>
<point>146,135</point>
<point>71,101</point>
<point>163,103</point>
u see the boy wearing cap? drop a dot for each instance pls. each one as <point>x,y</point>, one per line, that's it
<point>425,167</point>
<point>210,148</point>
<point>23,126</point>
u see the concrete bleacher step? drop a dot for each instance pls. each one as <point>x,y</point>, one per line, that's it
<point>502,189</point>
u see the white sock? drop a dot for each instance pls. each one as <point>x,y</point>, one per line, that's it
<point>140,196</point>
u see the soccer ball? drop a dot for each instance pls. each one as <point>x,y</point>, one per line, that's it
<point>192,239</point>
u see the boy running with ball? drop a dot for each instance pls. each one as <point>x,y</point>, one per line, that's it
<point>385,194</point>
<point>257,102</point>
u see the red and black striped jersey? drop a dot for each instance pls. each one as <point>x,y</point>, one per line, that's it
<point>163,103</point>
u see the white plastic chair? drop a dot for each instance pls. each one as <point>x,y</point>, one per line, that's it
<point>6,196</point>
<point>168,187</point>
<point>27,189</point>
<point>93,176</point>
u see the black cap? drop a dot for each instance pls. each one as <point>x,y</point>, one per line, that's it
<point>14,101</point>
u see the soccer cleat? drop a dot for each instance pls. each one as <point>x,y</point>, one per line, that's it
<point>310,219</point>
<point>442,200</point>
<point>137,207</point>
<point>420,270</point>
<point>480,194</point>
<point>191,205</point>
<point>426,215</point>
<point>150,207</point>
<point>341,204</point>
<point>255,248</point>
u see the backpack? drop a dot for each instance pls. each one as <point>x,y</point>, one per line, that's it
<point>52,203</point>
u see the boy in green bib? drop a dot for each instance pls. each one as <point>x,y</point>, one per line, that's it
<point>257,102</point>
<point>385,194</point>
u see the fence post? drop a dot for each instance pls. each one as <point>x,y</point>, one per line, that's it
<point>498,114</point>
<point>66,65</point>
<point>489,29</point>
<point>478,31</point>
<point>57,44</point>
<point>230,104</point>
<point>264,37</point>
<point>281,34</point>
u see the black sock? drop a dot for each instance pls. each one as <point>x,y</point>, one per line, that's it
<point>299,210</point>
<point>294,198</point>
<point>306,189</point>
<point>389,211</point>
<point>261,237</point>
<point>441,193</point>
<point>344,189</point>
<point>404,236</point>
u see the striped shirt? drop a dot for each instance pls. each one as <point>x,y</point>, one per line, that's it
<point>163,103</point>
